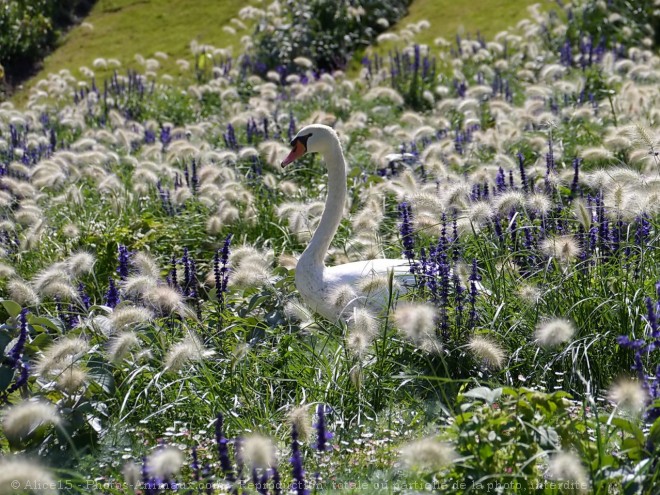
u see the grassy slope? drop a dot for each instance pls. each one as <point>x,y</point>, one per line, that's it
<point>122,28</point>
<point>449,17</point>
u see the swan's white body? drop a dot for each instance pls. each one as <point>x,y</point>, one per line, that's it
<point>316,282</point>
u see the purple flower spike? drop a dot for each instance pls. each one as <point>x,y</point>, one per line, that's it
<point>322,434</point>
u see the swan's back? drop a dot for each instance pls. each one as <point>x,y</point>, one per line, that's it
<point>370,281</point>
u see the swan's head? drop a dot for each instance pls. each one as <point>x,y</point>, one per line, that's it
<point>314,138</point>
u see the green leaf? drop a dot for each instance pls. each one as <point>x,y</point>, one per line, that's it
<point>43,322</point>
<point>6,377</point>
<point>628,427</point>
<point>14,309</point>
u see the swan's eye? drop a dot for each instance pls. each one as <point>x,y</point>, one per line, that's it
<point>301,139</point>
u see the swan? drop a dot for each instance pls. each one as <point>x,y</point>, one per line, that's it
<point>317,283</point>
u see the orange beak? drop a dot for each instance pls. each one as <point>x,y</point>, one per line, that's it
<point>297,151</point>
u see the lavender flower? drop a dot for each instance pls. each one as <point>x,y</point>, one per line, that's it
<point>195,465</point>
<point>124,256</point>
<point>16,352</point>
<point>472,297</point>
<point>297,464</point>
<point>223,451</point>
<point>112,296</point>
<point>322,435</point>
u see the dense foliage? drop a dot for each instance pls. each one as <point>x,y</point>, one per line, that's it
<point>29,29</point>
<point>326,32</point>
<point>152,335</point>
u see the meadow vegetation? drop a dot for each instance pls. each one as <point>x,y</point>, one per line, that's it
<point>153,339</point>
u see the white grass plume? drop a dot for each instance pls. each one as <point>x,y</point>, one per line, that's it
<point>566,466</point>
<point>27,473</point>
<point>60,355</point>
<point>80,263</point>
<point>628,395</point>
<point>427,454</point>
<point>487,351</point>
<point>22,293</point>
<point>125,317</point>
<point>20,421</point>
<point>417,322</point>
<point>554,332</point>
<point>121,345</point>
<point>165,462</point>
<point>189,350</point>
<point>164,299</point>
<point>563,248</point>
<point>300,418</point>
<point>145,265</point>
<point>258,451</point>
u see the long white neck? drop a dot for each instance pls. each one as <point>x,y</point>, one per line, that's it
<point>333,212</point>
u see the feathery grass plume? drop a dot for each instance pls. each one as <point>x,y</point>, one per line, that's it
<point>56,273</point>
<point>21,420</point>
<point>71,231</point>
<point>567,467</point>
<point>582,213</point>
<point>299,418</point>
<point>564,248</point>
<point>189,350</point>
<point>554,332</point>
<point>120,346</point>
<point>377,284</point>
<point>508,201</point>
<point>60,355</point>
<point>628,395</point>
<point>529,293</point>
<point>165,463</point>
<point>487,351</point>
<point>138,286</point>
<point>145,265</point>
<point>479,212</point>
<point>60,291</point>
<point>124,317</point>
<point>131,474</point>
<point>258,451</point>
<point>71,379</point>
<point>6,271</point>
<point>342,296</point>
<point>427,454</point>
<point>539,203</point>
<point>80,263</point>
<point>26,473</point>
<point>164,299</point>
<point>22,293</point>
<point>417,321</point>
<point>295,310</point>
<point>363,329</point>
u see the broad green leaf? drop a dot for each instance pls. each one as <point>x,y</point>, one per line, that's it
<point>14,309</point>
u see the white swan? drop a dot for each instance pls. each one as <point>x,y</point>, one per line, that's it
<point>317,283</point>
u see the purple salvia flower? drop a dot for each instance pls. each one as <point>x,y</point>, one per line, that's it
<point>322,435</point>
<point>195,465</point>
<point>472,297</point>
<point>296,460</point>
<point>500,181</point>
<point>576,168</point>
<point>83,296</point>
<point>112,296</point>
<point>16,352</point>
<point>172,277</point>
<point>124,256</point>
<point>223,450</point>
